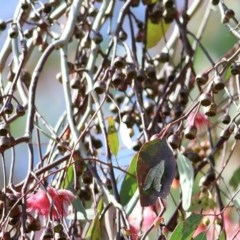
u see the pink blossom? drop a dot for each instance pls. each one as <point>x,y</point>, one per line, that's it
<point>199,120</point>
<point>140,220</point>
<point>213,229</point>
<point>52,202</point>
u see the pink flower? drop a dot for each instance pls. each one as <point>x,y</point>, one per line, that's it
<point>52,202</point>
<point>199,120</point>
<point>213,230</point>
<point>140,220</point>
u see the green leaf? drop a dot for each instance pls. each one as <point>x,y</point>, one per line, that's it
<point>100,205</point>
<point>201,236</point>
<point>129,184</point>
<point>186,174</point>
<point>235,180</point>
<point>156,168</point>
<point>222,236</point>
<point>155,32</point>
<point>185,230</point>
<point>177,233</point>
<point>68,178</point>
<point>94,232</point>
<point>190,225</point>
<point>112,137</point>
<point>227,74</point>
<point>82,213</point>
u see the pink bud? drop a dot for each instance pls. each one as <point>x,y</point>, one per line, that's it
<point>140,220</point>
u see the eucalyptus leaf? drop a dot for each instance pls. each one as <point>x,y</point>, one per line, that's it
<point>69,177</point>
<point>201,236</point>
<point>81,211</point>
<point>155,32</point>
<point>236,200</point>
<point>156,168</point>
<point>190,225</point>
<point>235,180</point>
<point>177,233</point>
<point>94,232</point>
<point>185,229</point>
<point>112,137</point>
<point>129,184</point>
<point>186,174</point>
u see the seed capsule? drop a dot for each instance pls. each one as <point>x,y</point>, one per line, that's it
<point>57,227</point>
<point>215,2</point>
<point>119,62</point>
<point>4,143</point>
<point>32,224</point>
<point>237,134</point>
<point>15,212</point>
<point>225,134</point>
<point>3,25</point>
<point>97,37</point>
<point>151,72</point>
<point>205,99</point>
<point>201,79</point>
<point>99,87</point>
<point>47,8</point>
<point>193,156</point>
<point>168,3</point>
<point>183,99</point>
<point>228,14</point>
<point>162,57</point>
<point>218,84</point>
<point>174,140</point>
<point>25,77</point>
<point>135,3</point>
<point>4,129</point>
<point>235,69</point>
<point>131,72</point>
<point>156,13</point>
<point>140,75</point>
<point>211,110</point>
<point>117,78</point>
<point>28,33</point>
<point>8,108</point>
<point>13,31</point>
<point>24,5</point>
<point>136,146</point>
<point>190,132</point>
<point>122,35</point>
<point>206,180</point>
<point>226,118</point>
<point>76,83</point>
<point>20,110</point>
